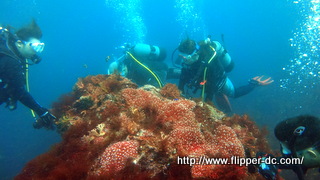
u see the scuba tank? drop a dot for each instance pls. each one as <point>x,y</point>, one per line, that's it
<point>152,52</point>
<point>5,35</point>
<point>224,56</point>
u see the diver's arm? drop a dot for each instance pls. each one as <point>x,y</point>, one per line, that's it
<point>16,86</point>
<point>253,82</point>
<point>46,119</point>
<point>200,71</point>
<point>27,100</point>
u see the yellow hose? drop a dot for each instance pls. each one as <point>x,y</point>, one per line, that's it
<point>154,75</point>
<point>28,87</point>
<point>205,73</point>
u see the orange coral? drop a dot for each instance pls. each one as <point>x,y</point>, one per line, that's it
<point>170,91</point>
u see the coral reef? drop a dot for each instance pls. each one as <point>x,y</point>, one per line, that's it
<point>170,91</point>
<point>112,129</point>
<point>84,103</point>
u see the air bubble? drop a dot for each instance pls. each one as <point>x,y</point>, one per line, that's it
<point>304,68</point>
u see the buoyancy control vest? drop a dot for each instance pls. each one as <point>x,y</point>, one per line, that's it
<point>5,51</point>
<point>4,46</point>
<point>216,74</point>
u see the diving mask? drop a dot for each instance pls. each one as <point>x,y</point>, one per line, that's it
<point>189,58</point>
<point>36,46</point>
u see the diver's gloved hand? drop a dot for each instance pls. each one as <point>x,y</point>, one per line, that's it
<point>46,120</point>
<point>268,171</point>
<point>259,82</point>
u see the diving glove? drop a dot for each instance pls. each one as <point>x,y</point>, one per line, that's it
<point>267,170</point>
<point>46,120</point>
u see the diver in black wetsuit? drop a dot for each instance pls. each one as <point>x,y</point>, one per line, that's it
<point>16,52</point>
<point>299,139</point>
<point>204,65</point>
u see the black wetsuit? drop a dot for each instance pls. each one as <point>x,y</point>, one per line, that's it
<point>12,80</point>
<point>216,77</point>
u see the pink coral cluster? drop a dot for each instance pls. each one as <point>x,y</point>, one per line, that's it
<point>115,157</point>
<point>128,132</point>
<point>186,141</point>
<point>225,143</point>
<point>233,172</point>
<point>222,144</point>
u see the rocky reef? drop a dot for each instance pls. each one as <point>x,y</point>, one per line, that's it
<point>111,129</point>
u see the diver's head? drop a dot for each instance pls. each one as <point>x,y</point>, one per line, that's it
<point>187,46</point>
<point>188,51</point>
<point>28,49</point>
<point>302,134</point>
<point>28,40</point>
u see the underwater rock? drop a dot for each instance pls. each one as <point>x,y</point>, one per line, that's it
<point>124,132</point>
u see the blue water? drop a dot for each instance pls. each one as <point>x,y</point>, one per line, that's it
<point>80,34</point>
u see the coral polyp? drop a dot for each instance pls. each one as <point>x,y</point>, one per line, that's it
<point>114,130</point>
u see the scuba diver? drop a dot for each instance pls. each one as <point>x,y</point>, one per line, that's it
<point>141,63</point>
<point>17,51</point>
<point>299,138</point>
<point>205,65</point>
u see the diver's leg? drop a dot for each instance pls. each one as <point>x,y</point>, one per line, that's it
<point>222,99</point>
<point>243,90</point>
<point>228,88</point>
<point>223,103</point>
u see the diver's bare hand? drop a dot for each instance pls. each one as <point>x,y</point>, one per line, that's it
<point>259,81</point>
